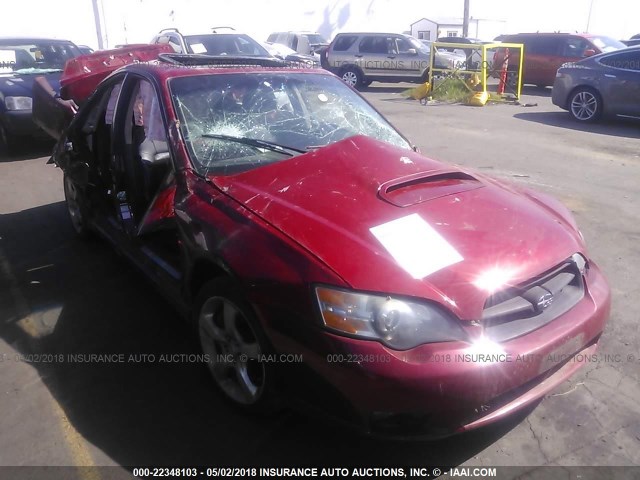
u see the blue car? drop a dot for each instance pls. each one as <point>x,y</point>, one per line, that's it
<point>21,61</point>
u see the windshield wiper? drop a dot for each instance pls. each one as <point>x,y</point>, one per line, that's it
<point>256,143</point>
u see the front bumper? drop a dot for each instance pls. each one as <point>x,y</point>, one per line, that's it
<point>441,389</point>
<point>561,89</point>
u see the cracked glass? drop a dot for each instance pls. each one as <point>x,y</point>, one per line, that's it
<point>239,121</point>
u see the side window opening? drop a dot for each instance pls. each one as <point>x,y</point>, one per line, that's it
<point>175,44</point>
<point>147,160</point>
<point>375,45</point>
<point>402,46</point>
<point>344,43</point>
<point>574,47</point>
<point>95,133</point>
<point>623,60</point>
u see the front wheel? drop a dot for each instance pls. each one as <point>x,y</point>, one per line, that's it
<point>7,143</point>
<point>585,105</point>
<point>77,207</point>
<point>232,340</point>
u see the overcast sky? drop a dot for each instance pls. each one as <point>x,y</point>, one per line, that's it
<point>130,21</point>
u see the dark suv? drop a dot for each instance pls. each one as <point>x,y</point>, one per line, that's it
<point>22,60</point>
<point>544,53</point>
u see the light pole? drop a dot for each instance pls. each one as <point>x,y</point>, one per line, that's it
<point>96,15</point>
<point>465,19</point>
<point>589,17</point>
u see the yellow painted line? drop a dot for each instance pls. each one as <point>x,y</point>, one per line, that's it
<point>74,442</point>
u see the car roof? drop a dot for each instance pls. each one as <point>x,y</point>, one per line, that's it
<point>163,71</point>
<point>553,34</point>
<point>373,33</point>
<point>7,40</point>
<point>298,32</point>
<point>216,30</point>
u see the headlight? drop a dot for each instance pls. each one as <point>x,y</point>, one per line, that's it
<point>18,103</point>
<point>581,262</point>
<point>397,323</point>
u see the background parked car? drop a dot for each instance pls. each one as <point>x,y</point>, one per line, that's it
<point>631,42</point>
<point>307,43</point>
<point>21,61</point>
<point>544,53</point>
<point>445,58</point>
<point>221,41</point>
<point>85,50</point>
<point>362,58</point>
<point>606,84</point>
<point>473,55</point>
<point>462,41</point>
<point>285,53</point>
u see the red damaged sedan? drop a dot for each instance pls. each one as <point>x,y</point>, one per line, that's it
<point>317,254</point>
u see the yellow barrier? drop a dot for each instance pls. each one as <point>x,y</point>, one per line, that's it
<point>477,81</point>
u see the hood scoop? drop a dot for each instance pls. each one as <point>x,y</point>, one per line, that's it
<point>424,186</point>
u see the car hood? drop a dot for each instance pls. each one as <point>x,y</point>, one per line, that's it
<point>301,58</point>
<point>21,85</point>
<point>389,220</point>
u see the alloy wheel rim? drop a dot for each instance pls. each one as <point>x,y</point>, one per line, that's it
<point>73,205</point>
<point>233,351</point>
<point>584,106</point>
<point>350,78</point>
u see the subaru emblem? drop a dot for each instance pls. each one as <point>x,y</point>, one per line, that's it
<point>544,301</point>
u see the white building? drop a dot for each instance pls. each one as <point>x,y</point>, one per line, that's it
<point>485,29</point>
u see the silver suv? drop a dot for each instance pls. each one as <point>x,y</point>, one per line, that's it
<point>362,58</point>
<point>221,41</point>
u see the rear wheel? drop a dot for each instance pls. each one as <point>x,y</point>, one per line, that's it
<point>232,339</point>
<point>352,77</point>
<point>585,105</point>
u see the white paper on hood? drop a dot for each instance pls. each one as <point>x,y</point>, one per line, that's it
<point>416,245</point>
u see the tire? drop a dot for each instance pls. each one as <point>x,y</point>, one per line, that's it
<point>232,338</point>
<point>585,105</point>
<point>7,144</point>
<point>77,207</point>
<point>352,77</point>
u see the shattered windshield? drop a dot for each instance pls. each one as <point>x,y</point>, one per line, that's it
<point>35,58</point>
<point>235,122</point>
